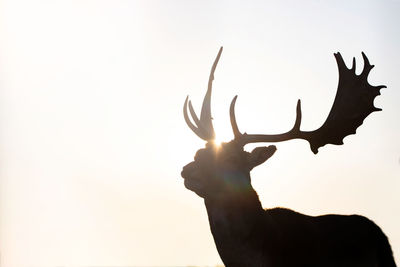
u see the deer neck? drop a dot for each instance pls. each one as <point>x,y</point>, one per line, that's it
<point>235,221</point>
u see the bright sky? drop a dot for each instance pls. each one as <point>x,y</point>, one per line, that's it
<point>93,139</point>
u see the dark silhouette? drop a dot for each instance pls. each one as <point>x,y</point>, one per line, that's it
<point>247,235</point>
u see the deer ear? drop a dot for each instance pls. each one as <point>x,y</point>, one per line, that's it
<point>259,155</point>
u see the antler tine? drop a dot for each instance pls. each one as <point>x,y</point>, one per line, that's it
<point>367,66</point>
<point>196,130</point>
<point>203,128</point>
<point>353,66</point>
<point>297,122</point>
<point>205,115</point>
<point>235,129</point>
<point>193,114</point>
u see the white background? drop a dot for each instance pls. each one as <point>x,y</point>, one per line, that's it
<point>92,137</point>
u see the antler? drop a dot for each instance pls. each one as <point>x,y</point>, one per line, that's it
<point>353,103</point>
<point>203,127</point>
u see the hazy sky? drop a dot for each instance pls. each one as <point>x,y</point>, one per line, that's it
<point>93,140</point>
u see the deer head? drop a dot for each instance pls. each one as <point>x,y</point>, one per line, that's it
<point>227,168</point>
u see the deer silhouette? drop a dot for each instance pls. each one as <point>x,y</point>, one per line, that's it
<point>247,235</point>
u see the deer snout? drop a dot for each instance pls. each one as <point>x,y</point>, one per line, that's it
<point>188,170</point>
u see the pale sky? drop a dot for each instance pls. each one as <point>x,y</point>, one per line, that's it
<point>93,139</point>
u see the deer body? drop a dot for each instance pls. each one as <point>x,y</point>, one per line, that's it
<point>245,234</point>
<point>281,237</point>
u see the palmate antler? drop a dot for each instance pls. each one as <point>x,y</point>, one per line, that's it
<point>354,101</point>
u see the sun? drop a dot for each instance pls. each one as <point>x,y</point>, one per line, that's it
<point>222,135</point>
<point>217,142</point>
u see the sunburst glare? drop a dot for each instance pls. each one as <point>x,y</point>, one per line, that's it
<point>217,142</point>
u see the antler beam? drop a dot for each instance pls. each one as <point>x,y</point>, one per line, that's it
<point>245,138</point>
